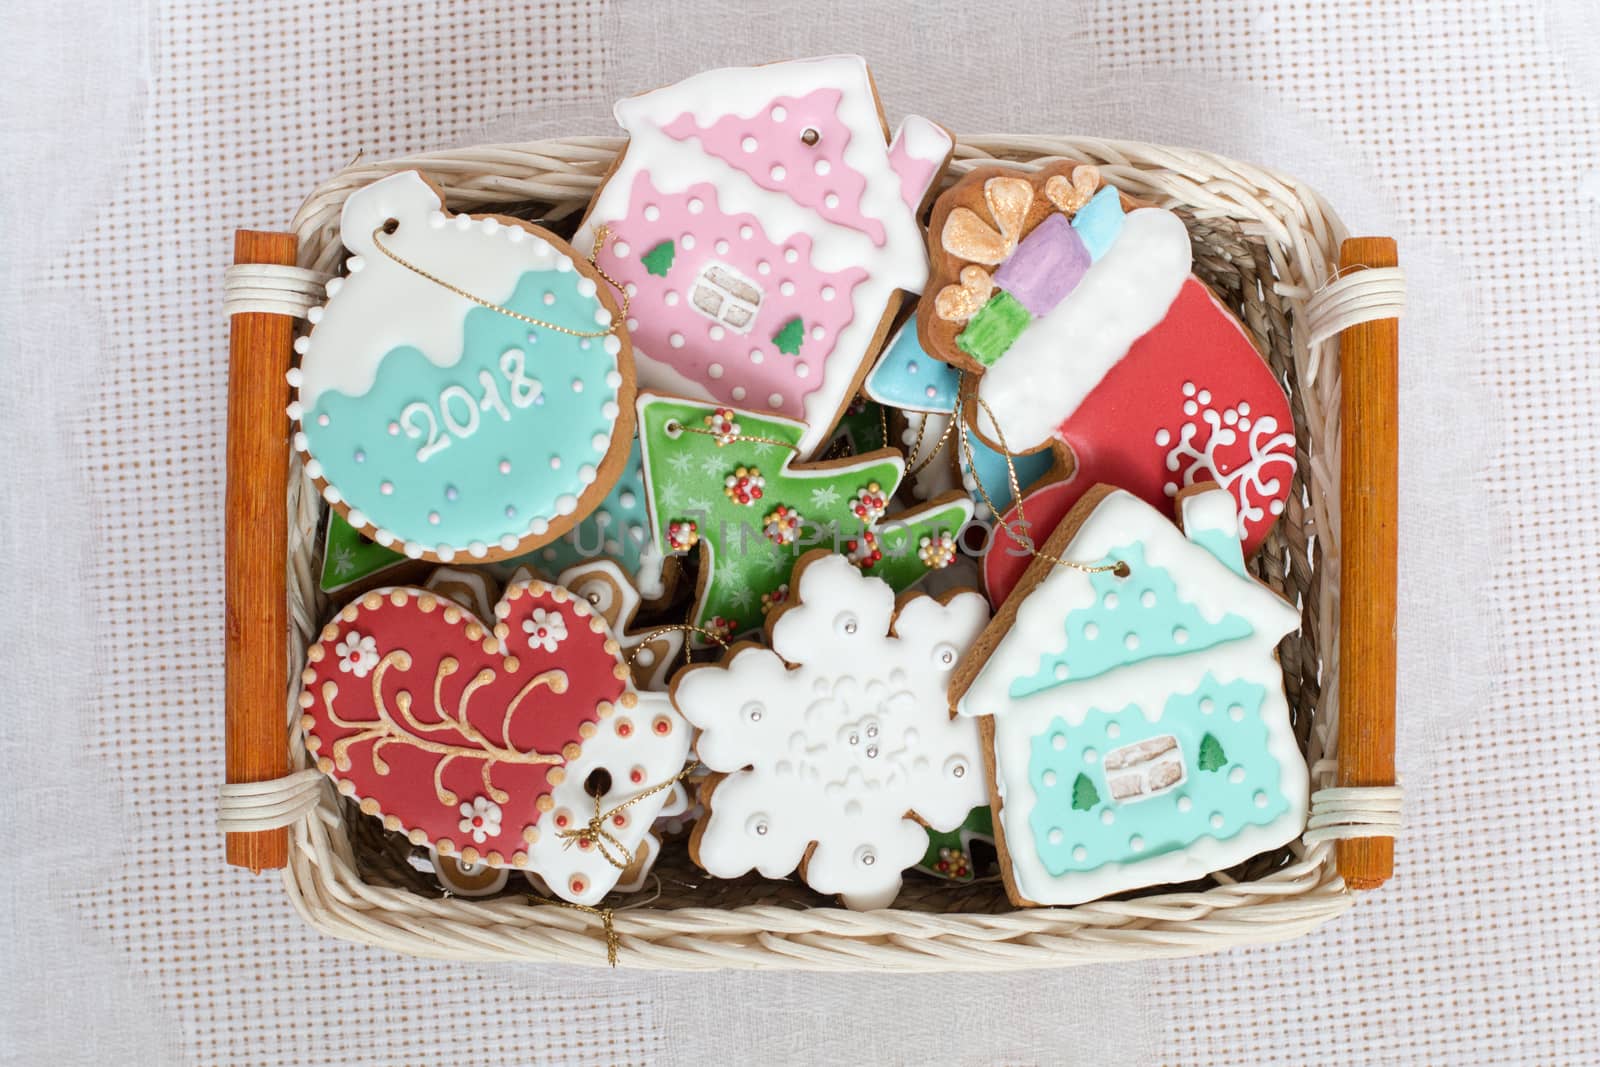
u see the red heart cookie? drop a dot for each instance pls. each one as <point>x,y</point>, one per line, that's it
<point>453,733</point>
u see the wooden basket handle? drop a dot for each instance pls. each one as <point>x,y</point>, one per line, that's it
<point>256,651</point>
<point>1368,508</point>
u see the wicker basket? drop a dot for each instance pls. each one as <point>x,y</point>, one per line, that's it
<point>1266,244</point>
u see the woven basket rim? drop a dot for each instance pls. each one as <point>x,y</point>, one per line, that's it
<point>1300,235</point>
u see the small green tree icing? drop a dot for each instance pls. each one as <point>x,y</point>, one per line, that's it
<point>1212,758</point>
<point>788,339</point>
<point>659,259</point>
<point>1084,795</point>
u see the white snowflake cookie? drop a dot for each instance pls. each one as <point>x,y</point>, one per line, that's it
<point>839,736</point>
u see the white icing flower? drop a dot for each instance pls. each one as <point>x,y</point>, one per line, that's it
<point>840,747</point>
<point>481,819</point>
<point>545,629</point>
<point>357,654</point>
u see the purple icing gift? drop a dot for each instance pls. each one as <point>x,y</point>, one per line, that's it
<point>1046,265</point>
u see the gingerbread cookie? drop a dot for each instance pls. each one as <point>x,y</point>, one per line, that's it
<point>503,744</point>
<point>353,563</point>
<point>454,342</point>
<point>1081,329</point>
<point>834,747</point>
<point>765,227</point>
<point>1136,724</point>
<point>651,652</point>
<point>724,483</point>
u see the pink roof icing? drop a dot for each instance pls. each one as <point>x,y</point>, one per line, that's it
<point>915,174</point>
<point>735,366</point>
<point>769,147</point>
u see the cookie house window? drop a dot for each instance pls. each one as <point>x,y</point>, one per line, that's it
<point>1145,769</point>
<point>725,296</point>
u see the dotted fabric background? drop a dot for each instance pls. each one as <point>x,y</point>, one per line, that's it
<point>138,136</point>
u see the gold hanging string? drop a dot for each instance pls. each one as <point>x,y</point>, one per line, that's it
<point>613,942</point>
<point>601,236</point>
<point>1117,567</point>
<point>938,446</point>
<point>673,425</point>
<point>598,834</point>
<point>684,627</point>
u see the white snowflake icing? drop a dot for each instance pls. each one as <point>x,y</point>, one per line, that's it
<point>825,497</point>
<point>742,597</point>
<point>713,465</point>
<point>545,629</point>
<point>1255,490</point>
<point>839,749</point>
<point>344,560</point>
<point>680,462</point>
<point>357,654</point>
<point>481,819</point>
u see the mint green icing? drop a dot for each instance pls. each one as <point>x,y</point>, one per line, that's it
<point>1223,544</point>
<point>1245,791</point>
<point>463,484</point>
<point>1131,620</point>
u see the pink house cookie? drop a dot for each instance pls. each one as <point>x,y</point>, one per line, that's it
<point>765,228</point>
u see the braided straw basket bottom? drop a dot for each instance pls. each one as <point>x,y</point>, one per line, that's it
<point>1266,244</point>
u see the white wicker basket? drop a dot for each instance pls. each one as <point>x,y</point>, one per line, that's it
<point>1267,244</point>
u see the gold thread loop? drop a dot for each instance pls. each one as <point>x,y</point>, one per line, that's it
<point>673,425</point>
<point>613,941</point>
<point>598,834</point>
<point>600,238</point>
<point>683,627</point>
<point>1118,568</point>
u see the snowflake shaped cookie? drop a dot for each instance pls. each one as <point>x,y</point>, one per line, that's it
<point>831,745</point>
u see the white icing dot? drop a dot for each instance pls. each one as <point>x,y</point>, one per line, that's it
<point>1185,804</point>
<point>1230,417</point>
<point>1136,843</point>
<point>1131,642</point>
<point>791,256</point>
<point>1058,742</point>
<point>577,385</point>
<point>1190,407</point>
<point>755,355</point>
<point>566,504</point>
<point>749,144</point>
<point>651,212</point>
<point>609,409</point>
<point>1060,672</point>
<point>511,512</point>
<point>695,205</point>
<point>516,233</point>
<point>1054,836</point>
<point>1260,800</point>
<point>601,442</point>
<point>1276,507</point>
<point>1204,397</point>
<point>1188,389</point>
<point>433,518</point>
<point>821,167</point>
<point>620,248</point>
<point>1180,636</point>
<point>1091,755</point>
<point>633,325</point>
<point>1163,438</point>
<point>1236,775</point>
<point>931,392</point>
<point>1108,817</point>
<point>747,231</point>
<point>1079,853</point>
<point>383,537</point>
<point>831,200</point>
<point>1090,631</point>
<point>1217,821</point>
<point>763,267</point>
<point>436,219</point>
<point>386,488</point>
<point>586,287</point>
<point>1171,489</point>
<point>538,526</point>
<point>413,549</point>
<point>817,333</point>
<point>786,288</point>
<point>1244,407</point>
<point>670,298</point>
<point>356,518</point>
<point>802,370</point>
<point>602,317</point>
<point>508,542</point>
<point>828,292</point>
<point>451,492</point>
<point>778,173</point>
<point>505,466</point>
<point>613,379</point>
<point>627,499</point>
<point>1236,713</point>
<point>549,298</point>
<point>1113,731</point>
<point>715,370</point>
<point>687,240</point>
<point>555,463</point>
<point>1049,779</point>
<point>1148,598</point>
<point>331,495</point>
<point>355,264</point>
<point>445,552</point>
<point>644,657</point>
<point>478,549</point>
<point>776,400</point>
<point>1207,705</point>
<point>1110,601</point>
<point>586,474</point>
<point>738,392</point>
<point>489,225</point>
<point>779,113</point>
<point>675,339</point>
<point>721,246</point>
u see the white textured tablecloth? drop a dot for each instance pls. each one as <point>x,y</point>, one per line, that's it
<point>138,136</point>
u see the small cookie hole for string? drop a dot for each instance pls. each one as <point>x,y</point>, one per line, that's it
<point>598,784</point>
<point>673,429</point>
<point>810,136</point>
<point>390,225</point>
